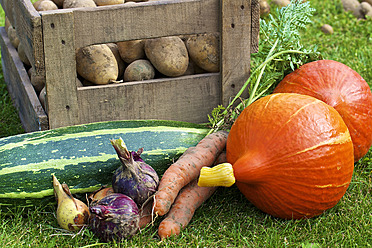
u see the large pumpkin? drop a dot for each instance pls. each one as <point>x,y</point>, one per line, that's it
<point>292,155</point>
<point>341,87</point>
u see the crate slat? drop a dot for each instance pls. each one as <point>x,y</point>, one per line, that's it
<point>29,29</point>
<point>235,46</point>
<point>145,20</point>
<point>189,98</point>
<point>60,66</point>
<point>24,97</point>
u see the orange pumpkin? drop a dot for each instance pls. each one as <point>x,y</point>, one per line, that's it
<point>341,87</point>
<point>292,155</point>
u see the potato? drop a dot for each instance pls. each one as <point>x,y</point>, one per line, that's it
<point>139,70</point>
<point>108,2</point>
<point>350,5</point>
<point>78,3</point>
<point>168,55</point>
<point>121,65</point>
<point>13,37</point>
<point>43,99</point>
<point>264,8</point>
<point>366,9</point>
<point>7,23</point>
<point>131,50</point>
<point>46,5</point>
<point>37,3</point>
<point>280,3</point>
<point>327,29</point>
<point>37,81</point>
<point>22,54</point>
<point>97,64</point>
<point>204,51</point>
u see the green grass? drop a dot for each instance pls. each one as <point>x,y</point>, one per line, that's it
<point>227,219</point>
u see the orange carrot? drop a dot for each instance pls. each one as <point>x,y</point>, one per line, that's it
<point>188,200</point>
<point>183,209</point>
<point>186,169</point>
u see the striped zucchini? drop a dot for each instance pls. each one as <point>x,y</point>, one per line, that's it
<point>83,157</point>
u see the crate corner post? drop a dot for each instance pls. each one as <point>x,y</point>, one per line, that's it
<point>236,46</point>
<point>60,68</point>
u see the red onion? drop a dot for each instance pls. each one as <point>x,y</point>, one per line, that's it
<point>116,216</point>
<point>134,178</point>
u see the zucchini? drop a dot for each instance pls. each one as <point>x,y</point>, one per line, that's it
<point>82,156</point>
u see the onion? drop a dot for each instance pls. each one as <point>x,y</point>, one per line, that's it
<point>100,193</point>
<point>134,178</point>
<point>72,214</point>
<point>115,217</point>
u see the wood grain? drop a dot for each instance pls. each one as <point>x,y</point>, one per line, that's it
<point>145,20</point>
<point>30,32</point>
<point>24,97</point>
<point>236,29</point>
<point>60,68</point>
<point>188,98</point>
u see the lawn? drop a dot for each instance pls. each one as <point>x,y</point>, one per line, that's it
<point>227,219</point>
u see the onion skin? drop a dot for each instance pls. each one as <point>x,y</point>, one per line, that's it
<point>114,217</point>
<point>134,178</point>
<point>99,194</point>
<point>340,87</point>
<point>292,155</point>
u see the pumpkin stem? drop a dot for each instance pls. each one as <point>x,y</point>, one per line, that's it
<point>219,175</point>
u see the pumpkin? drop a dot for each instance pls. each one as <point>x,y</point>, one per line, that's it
<point>341,87</point>
<point>292,155</point>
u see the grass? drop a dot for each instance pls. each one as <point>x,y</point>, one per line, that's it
<point>227,219</point>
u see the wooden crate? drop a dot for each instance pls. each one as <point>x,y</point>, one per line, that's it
<point>51,38</point>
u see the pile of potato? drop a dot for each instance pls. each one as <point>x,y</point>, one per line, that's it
<point>137,60</point>
<point>360,8</point>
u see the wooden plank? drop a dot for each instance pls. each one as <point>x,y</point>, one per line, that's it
<point>145,20</point>
<point>7,6</point>
<point>60,68</point>
<point>235,46</point>
<point>30,33</point>
<point>255,25</point>
<point>188,98</point>
<point>24,97</point>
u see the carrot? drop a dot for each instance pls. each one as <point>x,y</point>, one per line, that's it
<point>186,169</point>
<point>183,209</point>
<point>189,199</point>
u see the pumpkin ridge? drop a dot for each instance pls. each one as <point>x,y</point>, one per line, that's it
<point>290,118</point>
<point>339,139</point>
<point>333,185</point>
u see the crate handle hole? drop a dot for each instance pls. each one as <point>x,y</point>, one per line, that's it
<point>52,25</point>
